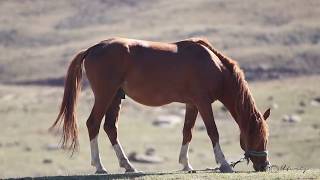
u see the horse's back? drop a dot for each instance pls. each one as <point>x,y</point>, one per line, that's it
<point>155,73</point>
<point>176,71</point>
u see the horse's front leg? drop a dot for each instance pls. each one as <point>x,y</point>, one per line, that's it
<point>205,110</point>
<point>220,158</point>
<point>111,128</point>
<point>190,119</point>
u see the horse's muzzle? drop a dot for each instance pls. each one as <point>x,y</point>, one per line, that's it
<point>262,167</point>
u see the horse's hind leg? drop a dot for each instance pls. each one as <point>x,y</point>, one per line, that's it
<point>93,124</point>
<point>111,128</point>
<point>205,110</point>
<point>190,119</point>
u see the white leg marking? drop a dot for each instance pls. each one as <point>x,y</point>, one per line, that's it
<point>225,167</point>
<point>122,158</point>
<point>184,158</point>
<point>95,156</point>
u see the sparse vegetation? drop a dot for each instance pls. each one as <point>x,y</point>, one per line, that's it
<point>291,174</point>
<point>276,42</point>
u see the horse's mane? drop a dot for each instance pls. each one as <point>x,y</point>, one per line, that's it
<point>245,104</point>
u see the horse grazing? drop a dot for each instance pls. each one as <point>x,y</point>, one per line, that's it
<point>191,71</point>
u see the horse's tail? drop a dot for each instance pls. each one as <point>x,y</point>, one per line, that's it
<point>67,113</point>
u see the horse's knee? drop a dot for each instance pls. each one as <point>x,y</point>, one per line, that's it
<point>214,136</point>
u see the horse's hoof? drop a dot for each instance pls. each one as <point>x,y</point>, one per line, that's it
<point>102,171</point>
<point>133,170</point>
<point>192,171</point>
<point>187,169</point>
<point>226,168</point>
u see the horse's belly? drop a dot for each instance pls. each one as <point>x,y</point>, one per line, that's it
<point>149,95</point>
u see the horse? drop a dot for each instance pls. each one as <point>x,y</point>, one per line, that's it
<point>190,71</point>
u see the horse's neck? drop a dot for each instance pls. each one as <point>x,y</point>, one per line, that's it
<point>231,101</point>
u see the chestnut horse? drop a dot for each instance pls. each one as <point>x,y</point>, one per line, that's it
<point>191,71</point>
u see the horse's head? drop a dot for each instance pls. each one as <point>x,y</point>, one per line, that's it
<point>254,142</point>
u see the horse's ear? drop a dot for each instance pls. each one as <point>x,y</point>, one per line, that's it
<point>266,114</point>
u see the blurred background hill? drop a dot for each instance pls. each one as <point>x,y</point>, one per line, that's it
<point>277,43</point>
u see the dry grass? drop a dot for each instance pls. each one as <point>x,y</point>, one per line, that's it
<point>270,40</point>
<point>27,112</point>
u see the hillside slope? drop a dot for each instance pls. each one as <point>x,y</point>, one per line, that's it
<point>269,39</point>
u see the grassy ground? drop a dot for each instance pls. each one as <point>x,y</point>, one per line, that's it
<point>27,112</point>
<point>288,174</point>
